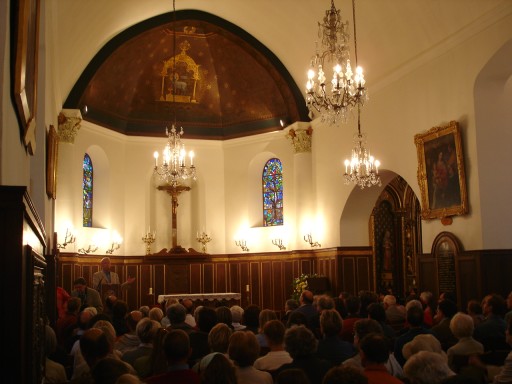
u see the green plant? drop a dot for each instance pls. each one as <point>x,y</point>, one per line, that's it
<point>300,284</point>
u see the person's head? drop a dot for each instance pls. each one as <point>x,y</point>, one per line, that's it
<point>274,332</point>
<point>462,325</point>
<point>128,378</point>
<point>424,342</point>
<point>265,316</point>
<point>177,346</point>
<point>132,319</point>
<point>74,304</point>
<point>377,312</point>
<point>364,327</point>
<point>108,370</point>
<point>474,308</point>
<point>215,368</point>
<point>107,328</point>
<point>306,297</point>
<point>447,295</point>
<point>156,314</point>
<point>296,318</point>
<point>224,315</point>
<point>447,308</point>
<point>252,316</point>
<point>94,346</point>
<point>105,264</point>
<point>243,348</point>
<point>415,316</point>
<point>237,313</point>
<point>374,349</point>
<point>330,322</point>
<point>80,285</point>
<point>299,341</point>
<point>494,304</point>
<point>146,329</point>
<point>413,303</point>
<point>353,304</point>
<point>324,302</point>
<point>426,298</point>
<point>50,341</point>
<point>291,304</point>
<point>427,367</point>
<point>145,310</point>
<point>176,313</point>
<point>120,309</point>
<point>367,297</point>
<point>292,376</point>
<point>189,305</point>
<point>389,300</point>
<point>206,319</point>
<point>345,374</point>
<point>218,338</point>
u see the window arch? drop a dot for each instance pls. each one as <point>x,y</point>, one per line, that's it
<point>87,191</point>
<point>272,189</point>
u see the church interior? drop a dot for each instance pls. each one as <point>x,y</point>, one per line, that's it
<point>264,193</point>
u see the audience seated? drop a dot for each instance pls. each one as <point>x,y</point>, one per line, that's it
<point>224,315</point>
<point>119,312</point>
<point>289,307</point>
<point>374,351</point>
<point>353,305</point>
<point>65,324</point>
<point>156,362</point>
<point>145,330</point>
<point>54,372</point>
<point>366,297</point>
<point>218,341</point>
<point>306,306</point>
<point>505,375</point>
<point>474,309</point>
<point>462,327</point>
<point>265,316</point>
<point>243,351</point>
<point>446,309</point>
<point>156,314</point>
<point>216,368</point>
<point>322,303</point>
<point>362,328</point>
<point>129,340</point>
<point>108,370</point>
<point>292,376</point>
<point>206,318</point>
<point>302,344</point>
<point>426,342</point>
<point>346,374</point>
<point>491,332</point>
<point>429,308</point>
<point>177,349</point>
<point>177,313</point>
<point>297,318</point>
<point>415,320</point>
<point>427,368</point>
<point>274,331</point>
<point>395,314</point>
<point>377,312</point>
<point>189,306</point>
<point>237,314</point>
<point>145,310</point>
<point>251,318</point>
<point>94,346</point>
<point>331,347</point>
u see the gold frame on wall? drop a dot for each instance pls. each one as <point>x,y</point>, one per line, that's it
<point>441,172</point>
<point>52,153</point>
<point>26,33</point>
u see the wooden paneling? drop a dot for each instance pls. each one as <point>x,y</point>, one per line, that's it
<point>349,275</point>
<point>267,285</point>
<point>208,278</point>
<point>195,278</point>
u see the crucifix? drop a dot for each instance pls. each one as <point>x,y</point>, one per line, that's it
<point>174,191</point>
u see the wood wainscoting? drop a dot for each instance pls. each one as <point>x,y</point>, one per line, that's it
<point>264,279</point>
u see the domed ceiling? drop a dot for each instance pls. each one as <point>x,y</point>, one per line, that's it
<point>219,83</point>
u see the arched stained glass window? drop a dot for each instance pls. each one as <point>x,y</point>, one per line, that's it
<point>272,181</point>
<point>87,191</point>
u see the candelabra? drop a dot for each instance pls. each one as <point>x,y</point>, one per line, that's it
<point>90,249</point>
<point>149,238</point>
<point>68,239</point>
<point>309,239</point>
<point>242,244</point>
<point>203,239</point>
<point>279,244</point>
<point>115,246</point>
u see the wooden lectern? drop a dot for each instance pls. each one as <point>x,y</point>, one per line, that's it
<point>110,289</point>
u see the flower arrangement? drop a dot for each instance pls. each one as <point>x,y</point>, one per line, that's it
<point>300,284</point>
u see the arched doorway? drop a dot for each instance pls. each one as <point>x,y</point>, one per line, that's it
<point>395,233</point>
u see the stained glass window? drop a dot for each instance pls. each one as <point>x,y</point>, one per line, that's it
<point>272,182</point>
<point>87,191</point>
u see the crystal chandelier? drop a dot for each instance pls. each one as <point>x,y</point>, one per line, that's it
<point>346,89</point>
<point>362,169</point>
<point>174,166</point>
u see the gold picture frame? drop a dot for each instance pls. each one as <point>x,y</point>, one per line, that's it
<point>52,154</point>
<point>441,172</point>
<point>26,33</point>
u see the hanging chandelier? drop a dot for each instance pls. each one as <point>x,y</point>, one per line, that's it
<point>362,169</point>
<point>346,89</point>
<point>174,167</point>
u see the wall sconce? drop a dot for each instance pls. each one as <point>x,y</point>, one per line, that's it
<point>115,246</point>
<point>242,244</point>
<point>149,238</point>
<point>203,239</point>
<point>279,244</point>
<point>90,249</point>
<point>309,239</point>
<point>68,239</point>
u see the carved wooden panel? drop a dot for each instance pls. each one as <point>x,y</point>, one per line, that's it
<point>349,274</point>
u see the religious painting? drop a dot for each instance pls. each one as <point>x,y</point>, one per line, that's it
<point>26,35</point>
<point>441,173</point>
<point>52,150</point>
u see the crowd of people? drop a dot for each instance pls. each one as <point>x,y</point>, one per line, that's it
<point>349,339</point>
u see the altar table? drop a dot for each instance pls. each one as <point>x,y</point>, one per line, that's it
<point>204,298</point>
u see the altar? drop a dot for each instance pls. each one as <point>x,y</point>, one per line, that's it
<point>206,299</point>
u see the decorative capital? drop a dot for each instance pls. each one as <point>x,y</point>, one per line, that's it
<point>69,124</point>
<point>300,134</point>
